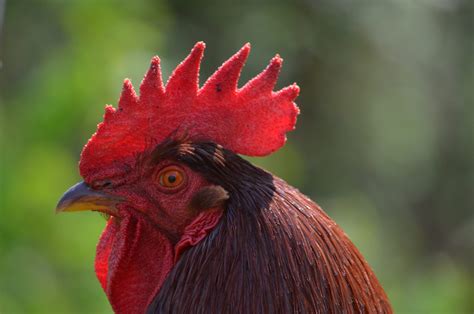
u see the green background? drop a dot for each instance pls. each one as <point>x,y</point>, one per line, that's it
<point>384,142</point>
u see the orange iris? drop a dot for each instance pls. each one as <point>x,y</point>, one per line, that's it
<point>171,177</point>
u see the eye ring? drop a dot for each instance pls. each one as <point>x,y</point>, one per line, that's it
<point>172,178</point>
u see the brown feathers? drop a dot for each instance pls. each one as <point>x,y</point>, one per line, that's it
<point>274,251</point>
<point>208,197</point>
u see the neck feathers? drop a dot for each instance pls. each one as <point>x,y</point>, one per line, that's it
<point>274,251</point>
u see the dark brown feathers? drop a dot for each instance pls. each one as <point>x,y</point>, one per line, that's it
<point>274,251</point>
<point>208,197</point>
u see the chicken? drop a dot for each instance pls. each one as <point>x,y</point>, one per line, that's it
<point>195,228</point>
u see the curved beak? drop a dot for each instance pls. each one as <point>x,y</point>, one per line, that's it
<point>81,197</point>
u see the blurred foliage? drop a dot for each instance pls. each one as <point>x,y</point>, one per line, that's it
<point>384,143</point>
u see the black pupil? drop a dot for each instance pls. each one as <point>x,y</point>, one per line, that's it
<point>171,178</point>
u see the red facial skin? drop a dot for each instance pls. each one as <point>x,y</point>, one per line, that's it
<point>152,228</point>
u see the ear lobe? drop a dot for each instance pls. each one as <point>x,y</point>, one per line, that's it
<point>197,230</point>
<point>208,197</point>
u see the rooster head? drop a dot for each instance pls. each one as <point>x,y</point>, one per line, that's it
<point>136,166</point>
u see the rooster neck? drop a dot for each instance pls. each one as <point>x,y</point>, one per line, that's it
<point>274,251</point>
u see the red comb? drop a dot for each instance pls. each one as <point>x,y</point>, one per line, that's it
<point>251,120</point>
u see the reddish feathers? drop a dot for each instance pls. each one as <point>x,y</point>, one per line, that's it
<point>251,120</point>
<point>273,251</point>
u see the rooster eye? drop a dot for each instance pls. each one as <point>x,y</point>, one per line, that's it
<point>171,177</point>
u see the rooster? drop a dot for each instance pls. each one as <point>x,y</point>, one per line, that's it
<point>195,228</point>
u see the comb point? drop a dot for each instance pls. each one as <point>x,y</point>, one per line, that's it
<point>184,82</point>
<point>128,97</point>
<point>289,92</point>
<point>151,86</point>
<point>264,82</point>
<point>224,81</point>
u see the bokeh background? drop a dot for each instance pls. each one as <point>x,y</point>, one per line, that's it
<point>384,142</point>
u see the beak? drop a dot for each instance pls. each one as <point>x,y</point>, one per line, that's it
<point>81,197</point>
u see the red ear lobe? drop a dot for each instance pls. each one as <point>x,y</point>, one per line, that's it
<point>197,230</point>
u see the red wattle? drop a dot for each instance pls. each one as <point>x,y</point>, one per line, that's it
<point>133,258</point>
